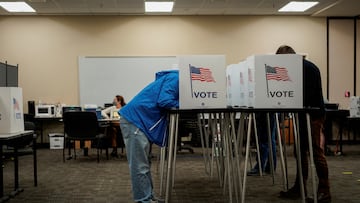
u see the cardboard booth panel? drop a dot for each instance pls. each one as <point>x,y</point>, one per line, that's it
<point>11,110</point>
<point>275,81</point>
<point>243,83</point>
<point>237,85</point>
<point>232,83</point>
<point>202,81</point>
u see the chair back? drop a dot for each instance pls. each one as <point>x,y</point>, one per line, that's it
<point>70,108</point>
<point>81,125</point>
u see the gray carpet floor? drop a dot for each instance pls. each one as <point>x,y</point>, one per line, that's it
<point>85,180</point>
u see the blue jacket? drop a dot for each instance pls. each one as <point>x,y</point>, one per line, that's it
<point>147,110</point>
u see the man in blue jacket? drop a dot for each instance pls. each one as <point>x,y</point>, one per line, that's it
<point>144,121</point>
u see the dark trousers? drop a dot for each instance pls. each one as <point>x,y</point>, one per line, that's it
<point>318,140</point>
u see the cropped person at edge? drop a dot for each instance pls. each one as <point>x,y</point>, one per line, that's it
<point>313,97</point>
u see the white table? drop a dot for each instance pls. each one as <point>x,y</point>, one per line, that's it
<point>9,139</point>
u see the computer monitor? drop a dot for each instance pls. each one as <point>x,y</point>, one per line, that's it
<point>108,105</point>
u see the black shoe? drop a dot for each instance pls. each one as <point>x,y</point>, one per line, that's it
<point>268,171</point>
<point>293,193</point>
<point>253,172</point>
<point>114,154</point>
<point>322,198</point>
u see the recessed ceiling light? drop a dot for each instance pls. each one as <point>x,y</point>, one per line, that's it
<point>298,6</point>
<point>155,6</point>
<point>16,6</point>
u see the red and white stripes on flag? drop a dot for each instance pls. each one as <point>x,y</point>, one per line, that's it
<point>277,73</point>
<point>202,74</point>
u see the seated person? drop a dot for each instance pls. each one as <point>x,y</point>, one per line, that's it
<point>114,129</point>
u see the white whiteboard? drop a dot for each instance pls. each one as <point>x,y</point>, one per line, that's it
<point>101,78</point>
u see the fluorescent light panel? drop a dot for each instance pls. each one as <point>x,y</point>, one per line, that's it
<point>298,6</point>
<point>17,6</point>
<point>155,6</point>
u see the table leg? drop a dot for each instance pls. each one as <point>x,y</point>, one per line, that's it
<point>162,166</point>
<point>175,149</point>
<point>282,159</point>
<point>298,155</point>
<point>312,164</point>
<point>271,158</point>
<point>246,157</point>
<point>341,137</point>
<point>35,160</point>
<point>168,188</point>
<point>257,146</point>
<point>41,132</point>
<point>17,189</point>
<point>2,197</point>
<point>238,183</point>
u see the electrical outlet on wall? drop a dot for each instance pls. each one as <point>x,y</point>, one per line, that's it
<point>347,93</point>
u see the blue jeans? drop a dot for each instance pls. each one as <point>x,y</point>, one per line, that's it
<point>261,124</point>
<point>138,156</point>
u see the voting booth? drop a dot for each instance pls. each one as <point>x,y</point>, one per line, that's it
<point>202,81</point>
<point>11,110</point>
<point>237,85</point>
<point>275,81</point>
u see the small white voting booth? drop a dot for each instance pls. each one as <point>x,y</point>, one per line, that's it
<point>275,81</point>
<point>202,81</point>
<point>11,110</point>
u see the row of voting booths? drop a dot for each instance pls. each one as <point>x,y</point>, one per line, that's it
<point>219,93</point>
<point>260,81</point>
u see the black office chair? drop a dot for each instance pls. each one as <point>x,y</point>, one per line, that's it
<point>187,129</point>
<point>82,125</point>
<point>67,143</point>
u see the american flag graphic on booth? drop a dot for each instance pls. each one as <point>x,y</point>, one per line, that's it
<point>201,74</point>
<point>250,75</point>
<point>16,104</point>
<point>276,73</point>
<point>241,78</point>
<point>229,80</point>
